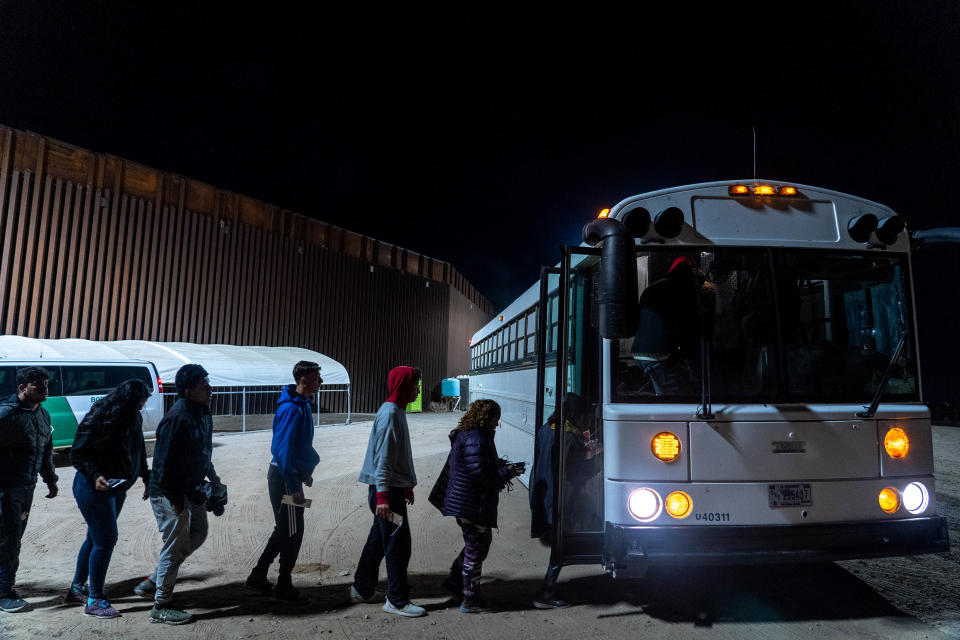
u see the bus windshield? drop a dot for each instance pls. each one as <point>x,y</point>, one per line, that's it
<point>779,326</point>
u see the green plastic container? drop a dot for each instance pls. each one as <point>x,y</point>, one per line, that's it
<point>417,405</point>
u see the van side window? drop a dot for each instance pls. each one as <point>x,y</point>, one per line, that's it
<point>92,380</point>
<point>8,382</point>
<point>55,387</point>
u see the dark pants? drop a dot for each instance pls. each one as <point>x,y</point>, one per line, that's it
<point>386,540</point>
<point>100,510</point>
<point>14,511</point>
<point>282,542</point>
<point>468,566</point>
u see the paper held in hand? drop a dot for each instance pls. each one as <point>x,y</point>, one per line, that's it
<point>288,499</point>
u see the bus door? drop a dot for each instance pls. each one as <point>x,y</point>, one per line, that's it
<point>568,470</point>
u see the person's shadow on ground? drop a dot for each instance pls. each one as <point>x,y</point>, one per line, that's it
<point>698,595</point>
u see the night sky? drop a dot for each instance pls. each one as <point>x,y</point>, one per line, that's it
<point>488,137</point>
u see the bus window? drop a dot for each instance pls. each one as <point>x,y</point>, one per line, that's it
<point>725,296</point>
<point>850,312</point>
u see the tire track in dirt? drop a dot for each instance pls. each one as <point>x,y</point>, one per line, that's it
<point>340,546</point>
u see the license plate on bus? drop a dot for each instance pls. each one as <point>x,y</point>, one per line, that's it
<point>790,495</point>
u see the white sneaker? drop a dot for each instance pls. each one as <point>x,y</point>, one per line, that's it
<point>356,598</point>
<point>409,611</point>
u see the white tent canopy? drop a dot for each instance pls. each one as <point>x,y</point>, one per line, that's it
<point>228,365</point>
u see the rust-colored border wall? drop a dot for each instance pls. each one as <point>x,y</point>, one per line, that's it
<point>99,248</point>
<point>48,158</point>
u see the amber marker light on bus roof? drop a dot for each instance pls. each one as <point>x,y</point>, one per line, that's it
<point>666,446</point>
<point>739,190</point>
<point>896,443</point>
<point>679,504</point>
<point>763,190</point>
<point>889,500</point>
<point>787,191</point>
<point>604,213</point>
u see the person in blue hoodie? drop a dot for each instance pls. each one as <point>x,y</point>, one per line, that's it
<point>294,460</point>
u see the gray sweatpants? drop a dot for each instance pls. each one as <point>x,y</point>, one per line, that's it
<point>182,535</point>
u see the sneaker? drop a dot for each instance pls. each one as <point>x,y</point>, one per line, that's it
<point>168,614</point>
<point>546,600</point>
<point>147,588</point>
<point>100,609</point>
<point>357,598</point>
<point>259,583</point>
<point>454,586</point>
<point>289,593</point>
<point>11,602</point>
<point>409,611</point>
<point>474,604</point>
<point>76,594</point>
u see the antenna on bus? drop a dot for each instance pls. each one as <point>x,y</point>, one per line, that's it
<point>754,154</point>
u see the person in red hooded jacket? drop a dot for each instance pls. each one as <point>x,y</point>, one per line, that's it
<point>388,469</point>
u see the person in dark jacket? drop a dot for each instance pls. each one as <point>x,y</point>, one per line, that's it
<point>668,328</point>
<point>294,460</point>
<point>178,492</point>
<point>475,477</point>
<point>577,418</point>
<point>109,454</point>
<point>26,449</point>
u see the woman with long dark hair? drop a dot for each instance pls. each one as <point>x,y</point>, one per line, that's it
<point>109,454</point>
<point>476,474</point>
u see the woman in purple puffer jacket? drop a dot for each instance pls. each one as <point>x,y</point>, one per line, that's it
<point>475,477</point>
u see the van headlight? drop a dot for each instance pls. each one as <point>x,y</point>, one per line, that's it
<point>644,504</point>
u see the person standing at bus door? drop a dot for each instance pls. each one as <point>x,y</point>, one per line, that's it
<point>26,449</point>
<point>668,329</point>
<point>109,454</point>
<point>294,460</point>
<point>476,475</point>
<point>542,525</point>
<point>388,469</point>
<point>182,459</point>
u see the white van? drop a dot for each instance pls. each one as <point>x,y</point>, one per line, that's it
<point>76,384</point>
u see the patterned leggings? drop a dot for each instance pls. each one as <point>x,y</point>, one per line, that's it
<point>476,545</point>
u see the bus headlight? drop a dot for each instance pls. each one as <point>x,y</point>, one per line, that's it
<point>896,443</point>
<point>889,500</point>
<point>644,504</point>
<point>666,446</point>
<point>679,504</point>
<point>916,498</point>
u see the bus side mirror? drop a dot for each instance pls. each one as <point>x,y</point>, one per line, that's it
<point>617,297</point>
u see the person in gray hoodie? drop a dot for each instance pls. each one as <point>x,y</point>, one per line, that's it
<point>388,469</point>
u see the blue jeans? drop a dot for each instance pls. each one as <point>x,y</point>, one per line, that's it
<point>100,510</point>
<point>14,510</point>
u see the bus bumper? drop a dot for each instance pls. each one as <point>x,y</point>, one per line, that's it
<point>635,548</point>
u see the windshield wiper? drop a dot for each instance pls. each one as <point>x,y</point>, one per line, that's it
<point>705,410</point>
<point>872,409</point>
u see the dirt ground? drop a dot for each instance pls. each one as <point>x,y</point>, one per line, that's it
<point>916,597</point>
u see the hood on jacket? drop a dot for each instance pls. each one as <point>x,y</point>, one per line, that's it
<point>289,394</point>
<point>399,381</point>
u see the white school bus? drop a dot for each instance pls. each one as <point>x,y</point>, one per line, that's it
<point>734,365</point>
